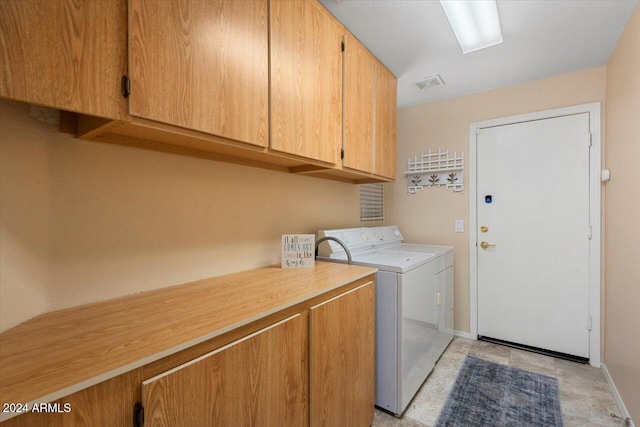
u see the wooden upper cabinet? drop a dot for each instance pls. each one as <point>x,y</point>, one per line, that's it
<point>201,65</point>
<point>65,54</point>
<point>306,80</point>
<point>359,74</point>
<point>370,92</point>
<point>386,122</point>
<point>341,355</point>
<point>260,380</point>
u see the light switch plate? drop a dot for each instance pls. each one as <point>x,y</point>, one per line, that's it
<point>459,226</point>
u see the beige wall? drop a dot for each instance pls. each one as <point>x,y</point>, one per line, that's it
<point>429,215</point>
<point>25,200</point>
<point>83,221</point>
<point>622,266</point>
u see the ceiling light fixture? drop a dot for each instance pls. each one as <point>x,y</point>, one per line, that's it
<point>475,23</point>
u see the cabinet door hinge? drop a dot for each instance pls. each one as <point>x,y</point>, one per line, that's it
<point>589,323</point>
<point>138,415</point>
<point>342,153</point>
<point>342,46</point>
<point>126,87</point>
<point>590,139</point>
<point>589,232</point>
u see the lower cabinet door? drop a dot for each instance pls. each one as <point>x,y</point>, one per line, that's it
<point>259,380</point>
<point>341,356</point>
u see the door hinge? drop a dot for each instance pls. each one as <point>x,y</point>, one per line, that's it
<point>342,46</point>
<point>589,323</point>
<point>138,415</point>
<point>126,87</point>
<point>477,131</point>
<point>589,232</point>
<point>342,153</point>
<point>590,139</point>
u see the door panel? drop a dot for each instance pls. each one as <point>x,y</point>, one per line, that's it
<point>68,55</point>
<point>386,122</point>
<point>342,359</point>
<point>205,69</point>
<point>358,113</point>
<point>533,286</point>
<point>257,381</point>
<point>306,80</point>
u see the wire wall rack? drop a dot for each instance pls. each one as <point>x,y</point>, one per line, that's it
<point>435,169</point>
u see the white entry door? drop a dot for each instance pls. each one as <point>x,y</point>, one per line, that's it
<point>533,211</point>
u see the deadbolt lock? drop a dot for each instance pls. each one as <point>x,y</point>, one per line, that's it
<point>485,245</point>
<point>484,228</point>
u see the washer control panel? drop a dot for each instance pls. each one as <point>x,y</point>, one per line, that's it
<point>358,239</point>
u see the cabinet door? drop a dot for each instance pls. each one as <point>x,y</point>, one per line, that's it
<point>109,403</point>
<point>342,359</point>
<point>65,54</point>
<point>306,80</point>
<point>386,122</point>
<point>359,74</point>
<point>201,65</point>
<point>257,381</point>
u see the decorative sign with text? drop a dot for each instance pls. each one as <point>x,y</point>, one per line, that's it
<point>298,250</point>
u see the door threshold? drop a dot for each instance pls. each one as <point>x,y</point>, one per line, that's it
<point>556,354</point>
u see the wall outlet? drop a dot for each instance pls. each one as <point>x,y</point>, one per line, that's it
<point>459,226</point>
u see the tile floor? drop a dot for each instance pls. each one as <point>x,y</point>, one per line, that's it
<point>585,397</point>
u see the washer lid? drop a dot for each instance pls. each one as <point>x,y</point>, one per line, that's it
<point>425,249</point>
<point>394,261</point>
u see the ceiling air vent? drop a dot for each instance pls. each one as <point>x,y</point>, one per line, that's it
<point>429,82</point>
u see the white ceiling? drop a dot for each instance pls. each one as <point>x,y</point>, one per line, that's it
<point>542,38</point>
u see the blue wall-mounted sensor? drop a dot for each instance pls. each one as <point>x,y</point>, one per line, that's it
<point>488,198</point>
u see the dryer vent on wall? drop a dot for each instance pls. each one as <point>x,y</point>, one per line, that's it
<point>429,82</point>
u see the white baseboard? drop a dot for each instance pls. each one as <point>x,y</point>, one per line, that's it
<point>462,334</point>
<point>616,395</point>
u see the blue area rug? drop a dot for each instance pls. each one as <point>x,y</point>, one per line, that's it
<point>489,394</point>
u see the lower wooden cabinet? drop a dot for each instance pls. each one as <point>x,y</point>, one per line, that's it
<point>259,380</point>
<point>109,403</point>
<point>309,365</point>
<point>341,342</point>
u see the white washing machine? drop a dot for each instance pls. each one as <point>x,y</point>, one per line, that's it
<point>414,305</point>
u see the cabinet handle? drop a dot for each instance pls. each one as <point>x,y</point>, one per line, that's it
<point>126,87</point>
<point>138,415</point>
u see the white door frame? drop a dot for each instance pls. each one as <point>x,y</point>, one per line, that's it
<point>594,213</point>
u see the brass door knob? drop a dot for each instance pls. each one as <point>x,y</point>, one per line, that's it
<point>485,245</point>
<point>484,228</point>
